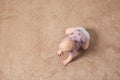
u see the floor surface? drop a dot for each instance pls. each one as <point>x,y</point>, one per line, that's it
<point>30,31</point>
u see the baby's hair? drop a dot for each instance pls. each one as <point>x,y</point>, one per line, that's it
<point>67,45</point>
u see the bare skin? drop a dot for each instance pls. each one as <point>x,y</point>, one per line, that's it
<point>86,45</point>
<point>69,59</point>
<point>71,56</point>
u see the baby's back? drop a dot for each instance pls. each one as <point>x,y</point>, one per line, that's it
<point>78,37</point>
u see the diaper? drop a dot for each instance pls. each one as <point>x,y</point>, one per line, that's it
<point>84,31</point>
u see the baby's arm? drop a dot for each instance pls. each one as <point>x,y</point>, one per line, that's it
<point>70,57</point>
<point>65,62</point>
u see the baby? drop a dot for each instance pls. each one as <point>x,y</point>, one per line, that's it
<point>77,37</point>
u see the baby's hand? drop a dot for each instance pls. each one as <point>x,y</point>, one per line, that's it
<point>65,63</point>
<point>59,53</point>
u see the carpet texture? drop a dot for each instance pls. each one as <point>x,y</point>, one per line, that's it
<point>31,30</point>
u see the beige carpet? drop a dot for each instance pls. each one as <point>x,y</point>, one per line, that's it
<point>30,31</point>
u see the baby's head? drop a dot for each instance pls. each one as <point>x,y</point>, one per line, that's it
<point>66,46</point>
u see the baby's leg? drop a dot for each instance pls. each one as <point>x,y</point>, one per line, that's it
<point>69,31</point>
<point>86,45</point>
